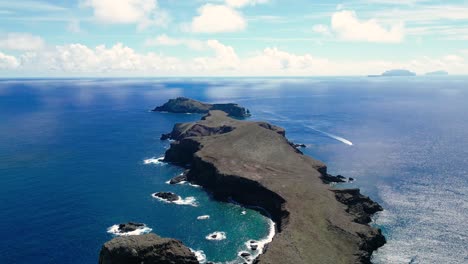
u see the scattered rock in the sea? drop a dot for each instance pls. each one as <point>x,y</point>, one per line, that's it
<point>253,245</point>
<point>179,179</point>
<point>351,179</point>
<point>167,196</point>
<point>245,254</point>
<point>130,227</point>
<point>186,105</point>
<point>216,236</point>
<point>148,248</point>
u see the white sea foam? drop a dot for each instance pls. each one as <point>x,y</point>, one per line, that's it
<point>139,231</point>
<point>200,255</point>
<point>181,201</point>
<point>261,244</point>
<point>216,236</point>
<point>203,217</point>
<point>341,139</point>
<point>243,212</point>
<point>187,201</point>
<point>154,160</point>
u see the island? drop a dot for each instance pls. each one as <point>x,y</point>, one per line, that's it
<point>254,164</point>
<point>395,73</point>
<point>437,73</point>
<point>187,105</point>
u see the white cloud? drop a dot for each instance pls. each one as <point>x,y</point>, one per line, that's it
<point>225,58</point>
<point>218,18</point>
<point>243,3</point>
<point>321,29</point>
<point>144,13</point>
<point>120,60</point>
<point>165,40</point>
<point>21,41</point>
<point>8,62</point>
<point>348,27</point>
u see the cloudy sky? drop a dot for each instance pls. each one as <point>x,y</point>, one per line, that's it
<point>231,37</point>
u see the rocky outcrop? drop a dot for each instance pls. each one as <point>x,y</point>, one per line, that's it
<point>178,179</point>
<point>167,196</point>
<point>148,248</point>
<point>328,178</point>
<point>186,105</point>
<point>360,206</point>
<point>130,227</point>
<point>254,163</point>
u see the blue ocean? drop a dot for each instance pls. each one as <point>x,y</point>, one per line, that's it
<point>78,156</point>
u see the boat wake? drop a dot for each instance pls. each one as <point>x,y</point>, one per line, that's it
<point>343,140</point>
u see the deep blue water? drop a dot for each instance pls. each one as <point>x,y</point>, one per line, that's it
<point>72,161</point>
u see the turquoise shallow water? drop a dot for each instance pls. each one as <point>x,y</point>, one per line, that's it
<point>72,161</point>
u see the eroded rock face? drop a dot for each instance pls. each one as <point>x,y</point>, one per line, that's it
<point>362,207</point>
<point>146,249</point>
<point>186,105</point>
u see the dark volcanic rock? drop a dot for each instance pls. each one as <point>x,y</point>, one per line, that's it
<point>245,254</point>
<point>186,105</point>
<point>362,207</point>
<point>178,179</point>
<point>130,227</point>
<point>299,145</point>
<point>327,178</point>
<point>166,136</point>
<point>147,249</point>
<point>168,196</point>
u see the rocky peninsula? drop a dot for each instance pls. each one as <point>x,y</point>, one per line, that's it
<point>254,164</point>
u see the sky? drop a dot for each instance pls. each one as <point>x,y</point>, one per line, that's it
<point>163,38</point>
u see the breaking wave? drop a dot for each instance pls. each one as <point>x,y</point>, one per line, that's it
<point>139,231</point>
<point>154,160</point>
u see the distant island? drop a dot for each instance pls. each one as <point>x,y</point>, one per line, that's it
<point>254,164</point>
<point>187,105</point>
<point>395,73</point>
<point>437,73</point>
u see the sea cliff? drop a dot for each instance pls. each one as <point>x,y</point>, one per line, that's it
<point>254,164</point>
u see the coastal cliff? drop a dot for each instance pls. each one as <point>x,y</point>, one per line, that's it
<point>254,164</point>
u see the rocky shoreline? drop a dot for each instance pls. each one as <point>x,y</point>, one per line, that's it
<point>254,164</point>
